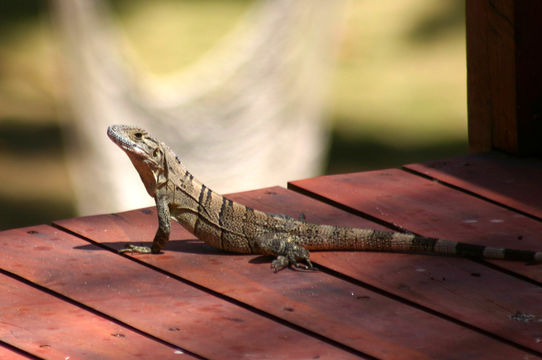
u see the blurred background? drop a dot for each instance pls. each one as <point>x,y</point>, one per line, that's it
<point>392,80</point>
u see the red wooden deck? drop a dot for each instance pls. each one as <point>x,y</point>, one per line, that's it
<point>66,293</point>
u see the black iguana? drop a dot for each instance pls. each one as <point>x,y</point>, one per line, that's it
<point>230,226</point>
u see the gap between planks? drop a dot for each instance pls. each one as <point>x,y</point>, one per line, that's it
<point>10,352</point>
<point>469,192</point>
<point>224,297</point>
<point>91,310</point>
<point>395,227</point>
<point>282,321</point>
<point>330,272</point>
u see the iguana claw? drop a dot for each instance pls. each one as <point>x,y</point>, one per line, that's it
<point>136,249</point>
<point>282,261</point>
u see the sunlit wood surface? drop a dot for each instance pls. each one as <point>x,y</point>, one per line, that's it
<point>65,293</point>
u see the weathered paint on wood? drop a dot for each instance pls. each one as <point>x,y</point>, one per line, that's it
<point>510,181</point>
<point>148,300</point>
<point>307,299</point>
<point>47,327</point>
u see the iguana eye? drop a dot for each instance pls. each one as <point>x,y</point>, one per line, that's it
<point>138,135</point>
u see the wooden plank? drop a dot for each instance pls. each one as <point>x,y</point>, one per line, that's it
<point>425,207</point>
<point>459,288</point>
<point>510,181</point>
<point>504,78</point>
<point>343,311</point>
<point>150,301</point>
<point>7,353</point>
<point>48,327</point>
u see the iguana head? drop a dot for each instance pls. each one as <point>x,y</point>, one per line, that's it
<point>146,153</point>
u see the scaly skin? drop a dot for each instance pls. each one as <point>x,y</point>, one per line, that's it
<point>230,226</point>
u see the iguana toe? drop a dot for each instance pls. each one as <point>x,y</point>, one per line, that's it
<point>279,263</point>
<point>294,255</point>
<point>136,249</point>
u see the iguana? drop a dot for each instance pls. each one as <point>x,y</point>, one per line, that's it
<point>230,226</point>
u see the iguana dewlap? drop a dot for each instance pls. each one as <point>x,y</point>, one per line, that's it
<point>230,226</point>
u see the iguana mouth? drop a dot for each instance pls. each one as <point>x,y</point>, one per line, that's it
<point>117,135</point>
<point>113,132</point>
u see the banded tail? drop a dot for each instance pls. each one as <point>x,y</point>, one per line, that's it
<point>345,238</point>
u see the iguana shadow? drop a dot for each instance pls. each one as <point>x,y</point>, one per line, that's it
<point>192,246</point>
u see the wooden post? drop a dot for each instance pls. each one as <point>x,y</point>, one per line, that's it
<point>504,75</point>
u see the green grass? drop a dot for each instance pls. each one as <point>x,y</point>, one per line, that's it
<point>397,94</point>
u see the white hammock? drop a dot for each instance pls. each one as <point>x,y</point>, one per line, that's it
<point>247,115</point>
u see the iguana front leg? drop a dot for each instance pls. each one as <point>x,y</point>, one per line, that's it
<point>162,234</point>
<point>287,252</point>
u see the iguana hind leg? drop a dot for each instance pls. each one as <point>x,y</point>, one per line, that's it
<point>283,261</point>
<point>287,252</point>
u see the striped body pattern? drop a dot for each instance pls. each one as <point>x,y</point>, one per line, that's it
<point>230,226</point>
